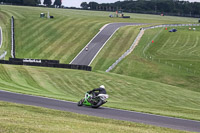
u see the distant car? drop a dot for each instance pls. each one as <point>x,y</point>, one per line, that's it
<point>173,30</point>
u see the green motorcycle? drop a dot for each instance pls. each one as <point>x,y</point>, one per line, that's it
<point>93,101</point>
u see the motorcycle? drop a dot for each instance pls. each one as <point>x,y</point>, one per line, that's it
<point>93,101</point>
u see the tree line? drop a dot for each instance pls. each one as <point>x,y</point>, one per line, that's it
<point>32,2</point>
<point>174,7</point>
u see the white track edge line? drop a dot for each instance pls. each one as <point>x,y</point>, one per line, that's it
<point>103,45</point>
<point>108,40</point>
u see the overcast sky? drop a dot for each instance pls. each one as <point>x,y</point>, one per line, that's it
<point>76,3</point>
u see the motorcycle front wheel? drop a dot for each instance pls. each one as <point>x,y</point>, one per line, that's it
<point>80,103</point>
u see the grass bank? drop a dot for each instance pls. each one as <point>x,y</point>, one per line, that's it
<point>63,37</point>
<point>172,59</point>
<point>21,118</point>
<point>116,46</point>
<point>6,31</point>
<point>125,92</point>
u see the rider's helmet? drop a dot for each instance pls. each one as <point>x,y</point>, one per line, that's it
<point>102,86</point>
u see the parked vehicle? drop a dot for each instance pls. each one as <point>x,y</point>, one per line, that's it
<point>173,30</point>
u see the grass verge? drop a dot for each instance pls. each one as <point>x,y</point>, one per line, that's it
<point>20,118</point>
<point>125,92</point>
<point>172,59</point>
<point>64,36</point>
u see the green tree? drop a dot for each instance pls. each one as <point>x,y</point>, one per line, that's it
<point>38,2</point>
<point>29,2</point>
<point>84,5</point>
<point>93,5</point>
<point>18,2</point>
<point>47,2</point>
<point>58,3</point>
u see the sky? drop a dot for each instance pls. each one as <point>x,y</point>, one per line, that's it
<point>76,3</point>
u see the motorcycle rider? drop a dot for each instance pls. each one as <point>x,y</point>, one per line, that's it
<point>97,91</point>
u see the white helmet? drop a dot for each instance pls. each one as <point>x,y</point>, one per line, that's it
<point>102,86</point>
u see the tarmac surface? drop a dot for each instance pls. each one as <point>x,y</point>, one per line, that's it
<point>88,53</point>
<point>161,121</point>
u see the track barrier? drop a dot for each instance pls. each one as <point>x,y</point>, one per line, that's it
<point>44,63</point>
<point>12,37</point>
<point>36,62</point>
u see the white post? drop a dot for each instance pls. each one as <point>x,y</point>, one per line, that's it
<point>48,15</point>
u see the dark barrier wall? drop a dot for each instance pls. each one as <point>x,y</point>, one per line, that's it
<point>37,62</point>
<point>13,36</point>
<point>18,60</point>
<point>44,63</point>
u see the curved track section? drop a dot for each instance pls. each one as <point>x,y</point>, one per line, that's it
<point>162,121</point>
<point>85,57</point>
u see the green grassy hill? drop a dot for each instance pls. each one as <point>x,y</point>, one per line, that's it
<point>145,84</point>
<point>116,46</point>
<point>125,92</point>
<point>36,120</point>
<point>63,37</point>
<point>173,58</point>
<point>5,25</point>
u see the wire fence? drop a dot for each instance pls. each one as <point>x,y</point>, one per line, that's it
<point>139,37</point>
<point>187,69</point>
<point>170,25</point>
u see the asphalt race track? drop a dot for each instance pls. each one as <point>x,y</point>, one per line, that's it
<point>97,43</point>
<point>162,121</point>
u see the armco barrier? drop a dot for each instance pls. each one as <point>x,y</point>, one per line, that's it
<point>44,63</point>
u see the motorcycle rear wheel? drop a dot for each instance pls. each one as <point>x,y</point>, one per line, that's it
<point>98,104</point>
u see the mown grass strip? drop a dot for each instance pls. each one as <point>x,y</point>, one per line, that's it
<point>29,39</point>
<point>140,95</point>
<point>125,92</point>
<point>21,118</point>
<point>115,47</point>
<point>162,61</point>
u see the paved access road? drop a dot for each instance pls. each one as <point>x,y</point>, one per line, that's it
<point>162,121</point>
<point>97,43</point>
